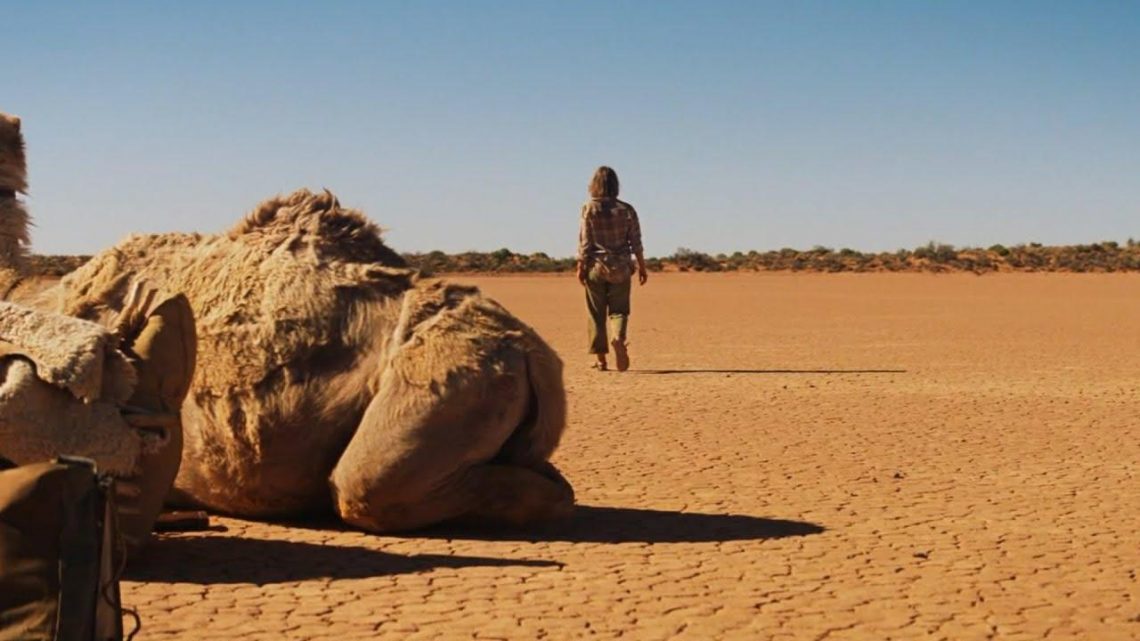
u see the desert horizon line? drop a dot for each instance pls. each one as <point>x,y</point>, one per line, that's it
<point>1128,243</point>
<point>930,246</point>
<point>1103,256</point>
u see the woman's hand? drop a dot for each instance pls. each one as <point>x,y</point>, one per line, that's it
<point>582,274</point>
<point>642,274</point>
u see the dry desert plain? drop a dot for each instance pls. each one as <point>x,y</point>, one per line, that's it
<point>811,456</point>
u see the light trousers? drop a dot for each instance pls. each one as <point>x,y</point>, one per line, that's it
<point>606,301</point>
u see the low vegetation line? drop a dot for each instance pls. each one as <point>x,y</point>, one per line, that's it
<point>1100,257</point>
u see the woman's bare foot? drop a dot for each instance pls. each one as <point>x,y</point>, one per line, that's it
<point>621,353</point>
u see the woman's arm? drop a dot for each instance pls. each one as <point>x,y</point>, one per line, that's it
<point>585,239</point>
<point>634,237</point>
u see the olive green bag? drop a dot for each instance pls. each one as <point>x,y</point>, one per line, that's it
<point>58,559</point>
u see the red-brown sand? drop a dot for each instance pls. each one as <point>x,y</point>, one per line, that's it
<point>812,456</point>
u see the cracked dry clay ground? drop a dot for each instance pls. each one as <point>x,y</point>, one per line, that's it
<point>895,456</point>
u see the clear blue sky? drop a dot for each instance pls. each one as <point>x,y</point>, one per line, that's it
<point>476,125</point>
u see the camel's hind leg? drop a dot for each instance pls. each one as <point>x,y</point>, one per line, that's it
<point>482,493</point>
<point>518,495</point>
<point>427,447</point>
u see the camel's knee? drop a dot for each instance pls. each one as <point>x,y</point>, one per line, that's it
<point>350,498</point>
<point>380,513</point>
<point>361,514</point>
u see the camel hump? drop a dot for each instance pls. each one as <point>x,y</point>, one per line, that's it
<point>307,219</point>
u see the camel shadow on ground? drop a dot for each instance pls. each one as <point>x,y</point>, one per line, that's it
<point>229,559</point>
<point>767,371</point>
<point>591,524</point>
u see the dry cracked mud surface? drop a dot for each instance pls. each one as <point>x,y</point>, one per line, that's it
<point>848,456</point>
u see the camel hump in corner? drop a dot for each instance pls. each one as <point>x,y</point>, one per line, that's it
<point>306,220</point>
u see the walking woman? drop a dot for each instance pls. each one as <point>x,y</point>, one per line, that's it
<point>608,234</point>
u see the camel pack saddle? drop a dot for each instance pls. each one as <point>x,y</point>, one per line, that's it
<point>58,558</point>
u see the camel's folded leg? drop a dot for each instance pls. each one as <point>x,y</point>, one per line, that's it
<point>515,495</point>
<point>481,494</point>
<point>426,450</point>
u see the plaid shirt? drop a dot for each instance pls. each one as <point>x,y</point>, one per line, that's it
<point>609,232</point>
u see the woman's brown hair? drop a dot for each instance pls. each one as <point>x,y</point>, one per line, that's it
<point>604,184</point>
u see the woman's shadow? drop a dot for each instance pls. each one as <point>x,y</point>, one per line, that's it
<point>591,524</point>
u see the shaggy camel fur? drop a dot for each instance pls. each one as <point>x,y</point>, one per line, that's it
<point>332,376</point>
<point>70,386</point>
<point>14,220</point>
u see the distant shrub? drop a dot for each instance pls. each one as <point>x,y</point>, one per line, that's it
<point>687,259</point>
<point>1105,256</point>
<point>936,252</point>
